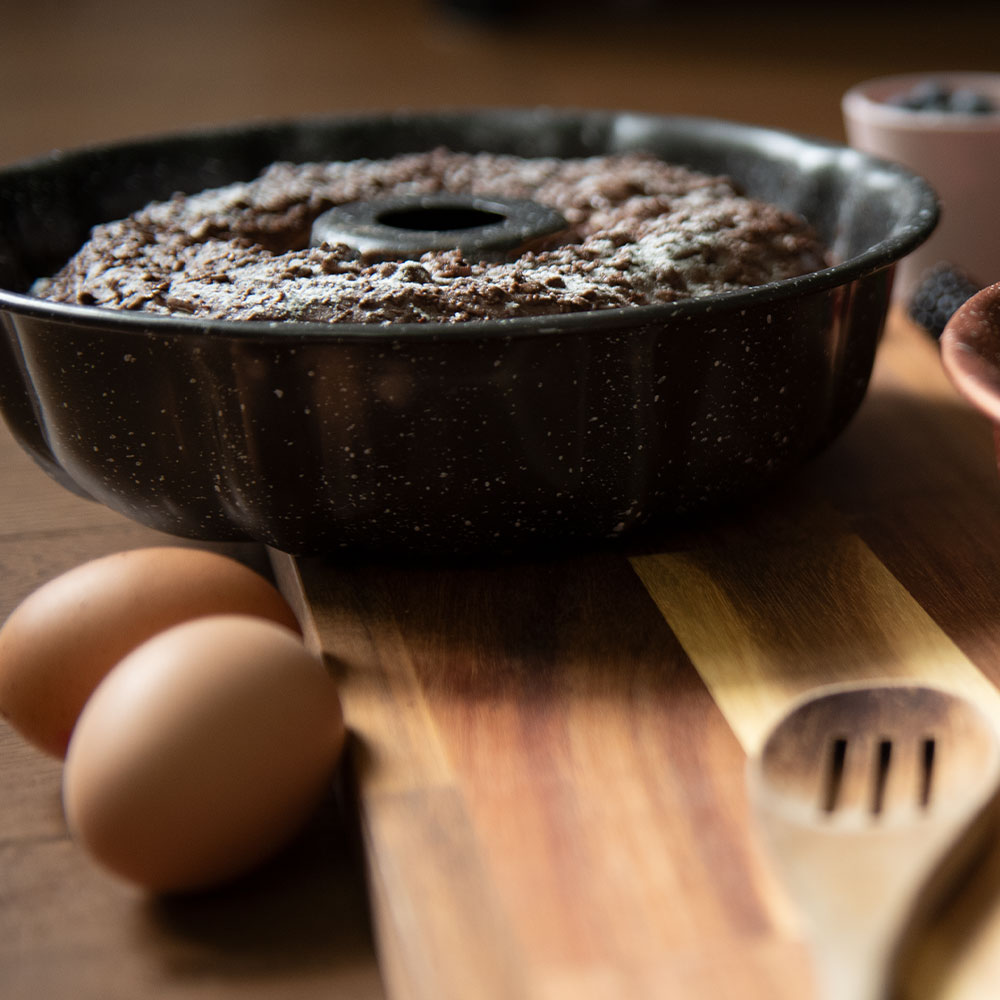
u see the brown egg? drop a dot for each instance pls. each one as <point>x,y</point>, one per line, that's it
<point>202,753</point>
<point>62,639</point>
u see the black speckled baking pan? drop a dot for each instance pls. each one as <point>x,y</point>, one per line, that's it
<point>500,435</point>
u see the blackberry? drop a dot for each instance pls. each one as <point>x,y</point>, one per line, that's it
<point>932,95</point>
<point>939,293</point>
<point>927,95</point>
<point>970,102</point>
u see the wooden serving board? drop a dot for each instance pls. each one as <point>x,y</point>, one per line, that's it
<point>550,757</point>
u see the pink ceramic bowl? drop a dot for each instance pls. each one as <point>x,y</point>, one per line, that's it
<point>970,353</point>
<point>958,153</point>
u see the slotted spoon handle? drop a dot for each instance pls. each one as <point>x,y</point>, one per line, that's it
<point>855,899</point>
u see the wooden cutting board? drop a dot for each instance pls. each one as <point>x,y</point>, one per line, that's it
<point>550,757</point>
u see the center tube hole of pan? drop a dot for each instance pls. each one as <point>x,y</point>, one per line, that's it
<point>444,218</point>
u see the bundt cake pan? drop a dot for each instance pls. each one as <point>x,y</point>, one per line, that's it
<point>488,436</point>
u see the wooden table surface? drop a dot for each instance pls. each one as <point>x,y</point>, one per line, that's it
<point>95,71</point>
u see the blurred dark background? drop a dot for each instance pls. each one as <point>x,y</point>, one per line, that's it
<point>97,70</point>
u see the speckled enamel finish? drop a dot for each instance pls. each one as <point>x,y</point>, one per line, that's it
<point>508,435</point>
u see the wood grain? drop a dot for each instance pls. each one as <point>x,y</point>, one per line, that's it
<point>565,742</point>
<point>589,805</point>
<point>766,620</point>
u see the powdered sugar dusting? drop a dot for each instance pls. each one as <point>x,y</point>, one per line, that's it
<point>641,231</point>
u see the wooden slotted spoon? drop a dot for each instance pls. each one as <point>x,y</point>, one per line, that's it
<point>870,798</point>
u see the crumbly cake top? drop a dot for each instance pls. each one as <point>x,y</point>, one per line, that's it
<point>640,231</point>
